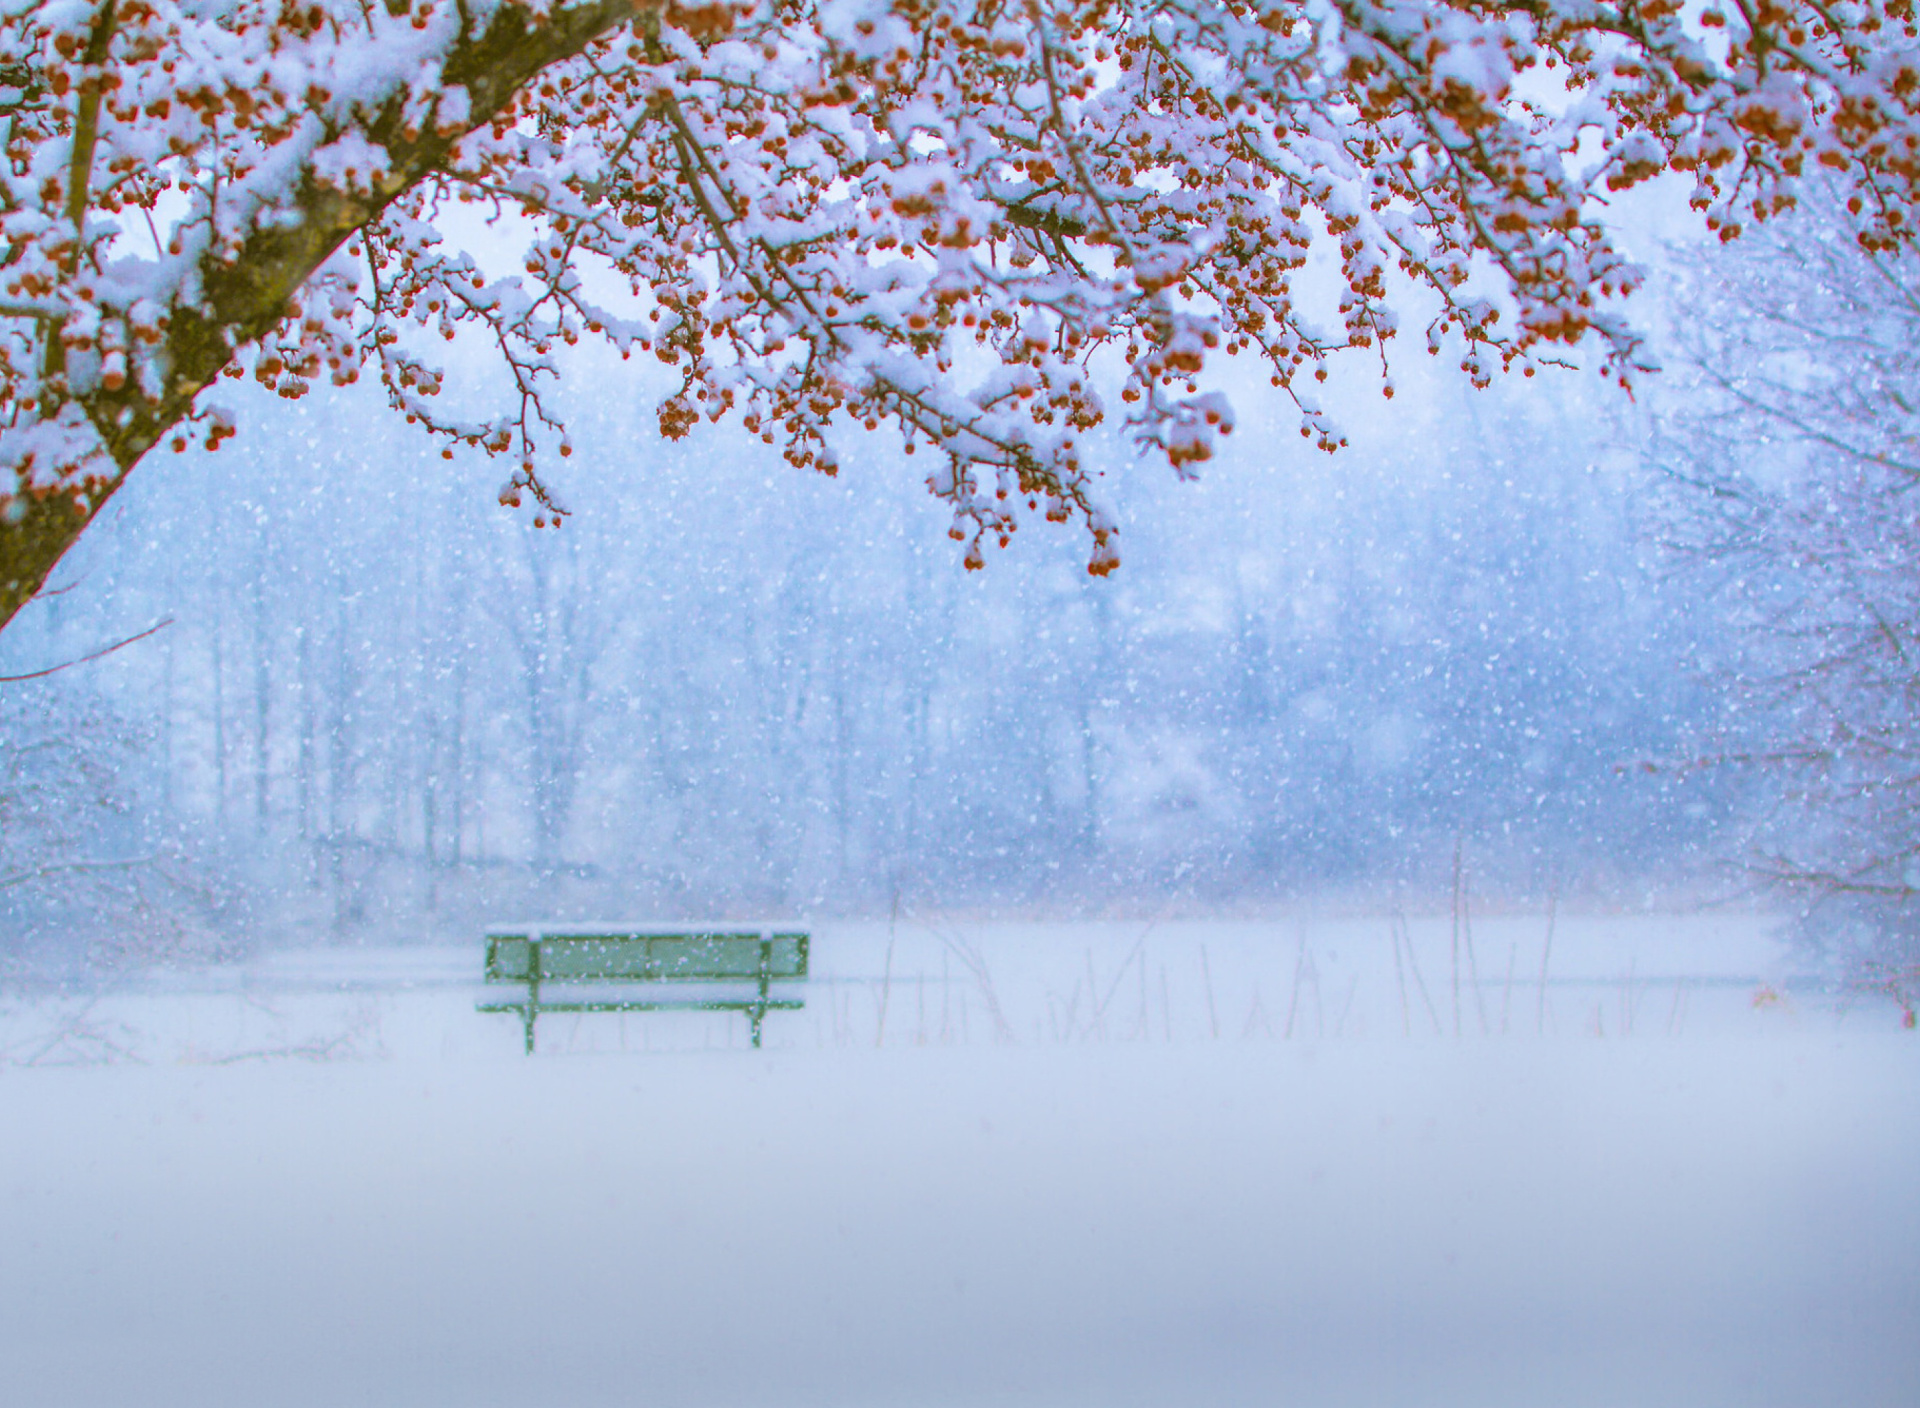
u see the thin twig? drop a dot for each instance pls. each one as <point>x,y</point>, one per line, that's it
<point>84,659</point>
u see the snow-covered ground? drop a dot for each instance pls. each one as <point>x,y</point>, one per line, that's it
<point>325,1180</point>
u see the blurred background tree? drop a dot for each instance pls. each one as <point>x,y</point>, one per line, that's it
<point>1790,447</point>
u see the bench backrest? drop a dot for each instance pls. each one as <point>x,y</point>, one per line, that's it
<point>645,955</point>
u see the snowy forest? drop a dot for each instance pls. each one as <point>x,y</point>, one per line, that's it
<point>1527,622</point>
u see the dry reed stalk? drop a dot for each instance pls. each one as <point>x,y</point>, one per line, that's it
<point>1454,951</point>
<point>1097,1023</point>
<point>1257,1010</point>
<point>1353,989</point>
<point>1206,974</point>
<point>1553,903</point>
<point>946,998</point>
<point>976,966</point>
<point>1400,977</point>
<point>886,975</point>
<point>1473,965</point>
<point>1299,963</point>
<point>1146,1017</point>
<point>1060,1014</point>
<point>1137,951</point>
<point>1319,999</point>
<point>1419,981</point>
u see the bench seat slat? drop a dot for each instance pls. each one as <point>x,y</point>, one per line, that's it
<point>647,957</point>
<point>586,957</point>
<point>738,1004</point>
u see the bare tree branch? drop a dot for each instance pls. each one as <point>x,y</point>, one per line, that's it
<point>85,659</point>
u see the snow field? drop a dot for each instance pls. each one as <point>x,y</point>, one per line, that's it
<point>1718,1216</point>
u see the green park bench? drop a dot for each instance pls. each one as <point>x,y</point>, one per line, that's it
<point>718,969</point>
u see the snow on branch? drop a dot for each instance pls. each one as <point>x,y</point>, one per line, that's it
<point>815,207</point>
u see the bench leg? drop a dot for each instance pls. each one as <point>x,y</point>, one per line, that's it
<point>533,990</point>
<point>758,1014</point>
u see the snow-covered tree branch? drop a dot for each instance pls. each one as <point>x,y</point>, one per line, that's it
<point>1793,467</point>
<point>816,211</point>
